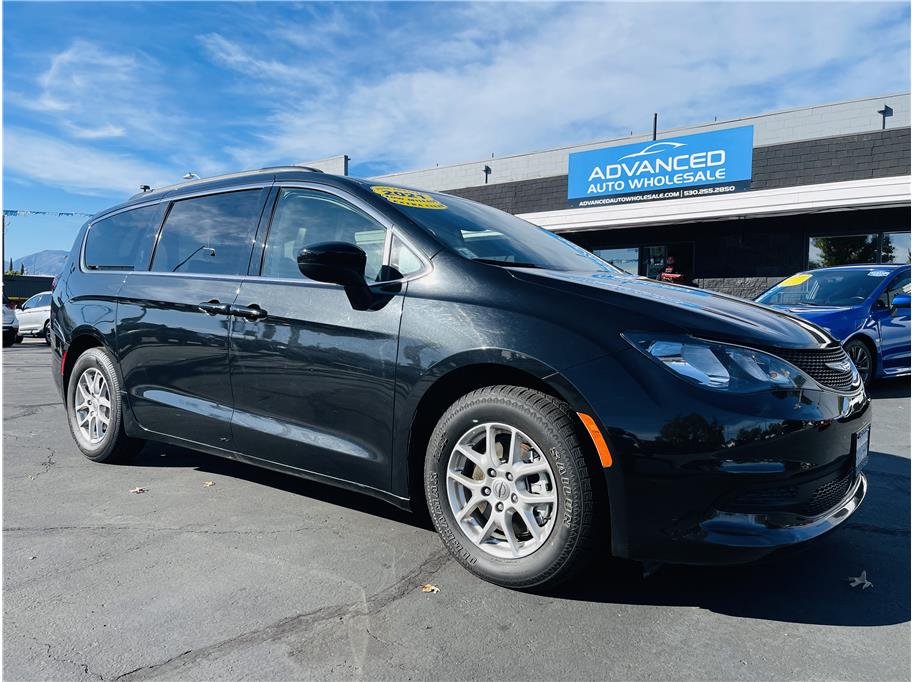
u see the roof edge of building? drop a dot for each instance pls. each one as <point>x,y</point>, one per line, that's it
<point>666,132</point>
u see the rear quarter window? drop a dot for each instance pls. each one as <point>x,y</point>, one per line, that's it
<point>123,241</point>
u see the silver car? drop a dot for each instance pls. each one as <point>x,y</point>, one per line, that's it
<point>35,315</point>
<point>10,323</point>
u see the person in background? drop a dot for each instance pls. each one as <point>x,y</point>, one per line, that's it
<point>671,272</point>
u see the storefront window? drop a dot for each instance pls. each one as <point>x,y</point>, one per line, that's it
<point>653,260</point>
<point>895,248</point>
<point>627,260</point>
<point>824,252</point>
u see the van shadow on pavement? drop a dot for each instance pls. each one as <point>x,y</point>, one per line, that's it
<point>177,457</point>
<point>809,585</point>
<point>894,387</point>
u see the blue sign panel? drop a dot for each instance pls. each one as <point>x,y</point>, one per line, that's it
<point>717,162</point>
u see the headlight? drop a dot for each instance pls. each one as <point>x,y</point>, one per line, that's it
<point>719,365</point>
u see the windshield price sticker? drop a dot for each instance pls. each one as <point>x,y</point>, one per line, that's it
<point>407,197</point>
<point>794,280</point>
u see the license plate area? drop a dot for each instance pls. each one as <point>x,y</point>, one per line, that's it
<point>861,447</point>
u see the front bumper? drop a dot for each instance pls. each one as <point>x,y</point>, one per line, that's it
<point>705,477</point>
<point>772,530</point>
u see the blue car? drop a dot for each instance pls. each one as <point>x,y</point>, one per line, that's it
<point>866,307</point>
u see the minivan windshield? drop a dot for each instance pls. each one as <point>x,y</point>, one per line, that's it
<point>826,287</point>
<point>487,235</point>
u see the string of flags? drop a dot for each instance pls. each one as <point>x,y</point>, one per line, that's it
<point>67,214</point>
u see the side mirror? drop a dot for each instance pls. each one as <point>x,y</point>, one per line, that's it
<point>338,263</point>
<point>901,301</point>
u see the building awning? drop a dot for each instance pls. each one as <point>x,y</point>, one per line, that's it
<point>831,196</point>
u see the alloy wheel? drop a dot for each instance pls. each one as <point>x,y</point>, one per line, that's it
<point>502,491</point>
<point>862,359</point>
<point>93,405</point>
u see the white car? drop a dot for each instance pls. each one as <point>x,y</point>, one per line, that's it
<point>10,323</point>
<point>35,316</point>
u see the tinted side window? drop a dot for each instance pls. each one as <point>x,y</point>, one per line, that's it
<point>402,261</point>
<point>899,285</point>
<point>123,241</point>
<point>32,302</point>
<point>43,300</point>
<point>211,234</point>
<point>305,216</point>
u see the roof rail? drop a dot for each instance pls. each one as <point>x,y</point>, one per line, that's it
<point>294,167</point>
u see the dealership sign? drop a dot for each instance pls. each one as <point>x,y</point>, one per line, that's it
<point>693,165</point>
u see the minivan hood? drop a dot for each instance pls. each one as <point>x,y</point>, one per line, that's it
<point>686,309</point>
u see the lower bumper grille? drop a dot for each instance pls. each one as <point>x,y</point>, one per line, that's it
<point>808,499</point>
<point>829,494</point>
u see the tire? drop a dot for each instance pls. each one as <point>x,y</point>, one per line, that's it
<point>8,339</point>
<point>505,551</point>
<point>113,445</point>
<point>862,356</point>
<point>46,333</point>
<point>19,338</point>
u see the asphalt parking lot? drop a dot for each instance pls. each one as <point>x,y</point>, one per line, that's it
<point>263,576</point>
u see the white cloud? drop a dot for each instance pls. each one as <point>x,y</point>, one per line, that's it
<point>232,55</point>
<point>93,93</point>
<point>503,82</point>
<point>77,167</point>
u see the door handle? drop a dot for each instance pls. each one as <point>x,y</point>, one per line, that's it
<point>213,307</point>
<point>249,312</point>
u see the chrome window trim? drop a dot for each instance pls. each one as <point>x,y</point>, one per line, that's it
<point>85,238</point>
<point>145,204</point>
<point>390,227</point>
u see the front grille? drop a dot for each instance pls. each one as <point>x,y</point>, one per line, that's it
<point>814,363</point>
<point>829,494</point>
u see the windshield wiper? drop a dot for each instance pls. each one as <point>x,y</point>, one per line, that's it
<point>505,263</point>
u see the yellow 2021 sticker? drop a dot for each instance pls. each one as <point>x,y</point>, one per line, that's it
<point>794,280</point>
<point>407,197</point>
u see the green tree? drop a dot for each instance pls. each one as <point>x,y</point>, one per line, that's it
<point>887,250</point>
<point>843,250</point>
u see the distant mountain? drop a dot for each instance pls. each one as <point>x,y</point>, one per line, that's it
<point>41,263</point>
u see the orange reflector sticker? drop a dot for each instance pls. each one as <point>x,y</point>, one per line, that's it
<point>600,445</point>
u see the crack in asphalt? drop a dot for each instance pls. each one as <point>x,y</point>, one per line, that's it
<point>288,625</point>
<point>26,410</point>
<point>47,463</point>
<point>84,666</point>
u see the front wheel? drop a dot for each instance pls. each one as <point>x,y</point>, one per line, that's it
<point>861,355</point>
<point>95,409</point>
<point>508,487</point>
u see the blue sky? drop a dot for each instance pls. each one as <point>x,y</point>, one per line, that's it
<point>101,97</point>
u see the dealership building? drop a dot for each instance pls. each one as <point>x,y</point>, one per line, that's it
<point>738,204</point>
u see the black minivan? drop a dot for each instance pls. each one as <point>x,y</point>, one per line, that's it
<point>427,349</point>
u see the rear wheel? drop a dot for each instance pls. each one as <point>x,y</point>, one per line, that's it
<point>861,355</point>
<point>95,409</point>
<point>508,487</point>
<point>46,333</point>
<point>9,338</point>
